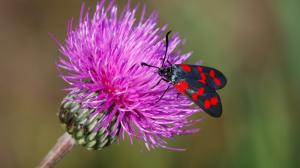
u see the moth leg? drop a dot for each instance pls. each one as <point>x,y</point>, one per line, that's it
<point>163,94</point>
<point>169,63</point>
<point>159,82</point>
<point>178,94</point>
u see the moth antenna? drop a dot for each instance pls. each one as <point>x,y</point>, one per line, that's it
<point>144,64</point>
<point>167,45</point>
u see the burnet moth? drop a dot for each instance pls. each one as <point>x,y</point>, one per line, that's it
<point>197,82</point>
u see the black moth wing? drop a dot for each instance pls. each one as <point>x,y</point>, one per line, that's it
<point>205,97</point>
<point>213,77</point>
<point>202,85</point>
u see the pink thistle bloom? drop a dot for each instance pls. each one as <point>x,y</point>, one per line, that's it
<point>102,57</point>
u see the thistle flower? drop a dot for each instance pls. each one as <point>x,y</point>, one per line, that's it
<point>110,94</point>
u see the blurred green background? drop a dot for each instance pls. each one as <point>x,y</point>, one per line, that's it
<point>256,43</point>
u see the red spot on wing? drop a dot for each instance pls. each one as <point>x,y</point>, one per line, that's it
<point>214,101</point>
<point>202,81</point>
<point>216,80</point>
<point>210,102</point>
<point>200,91</point>
<point>195,97</point>
<point>203,78</point>
<point>186,67</point>
<point>212,73</point>
<point>181,86</point>
<point>200,69</point>
<point>206,103</point>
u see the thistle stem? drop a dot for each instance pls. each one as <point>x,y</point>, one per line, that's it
<point>64,145</point>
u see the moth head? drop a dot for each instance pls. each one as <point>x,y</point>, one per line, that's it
<point>165,72</point>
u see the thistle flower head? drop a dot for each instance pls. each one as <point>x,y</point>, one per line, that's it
<point>101,62</point>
